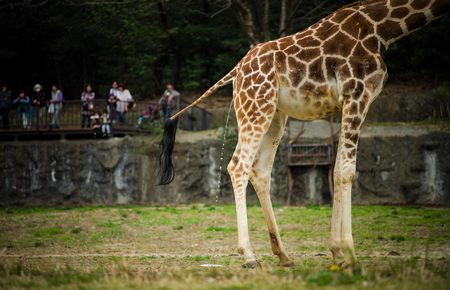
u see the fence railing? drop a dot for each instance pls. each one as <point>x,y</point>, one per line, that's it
<point>310,154</point>
<point>195,118</point>
<point>70,116</point>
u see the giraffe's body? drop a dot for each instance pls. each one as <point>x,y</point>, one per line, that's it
<point>333,65</point>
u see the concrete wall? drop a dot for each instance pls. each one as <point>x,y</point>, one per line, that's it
<point>390,169</point>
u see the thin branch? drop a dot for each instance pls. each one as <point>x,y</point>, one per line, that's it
<point>99,2</point>
<point>22,3</point>
<point>224,8</point>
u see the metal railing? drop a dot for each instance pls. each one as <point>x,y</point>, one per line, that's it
<point>195,118</point>
<point>70,117</point>
<point>310,154</point>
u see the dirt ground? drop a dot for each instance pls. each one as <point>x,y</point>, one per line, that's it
<point>194,247</point>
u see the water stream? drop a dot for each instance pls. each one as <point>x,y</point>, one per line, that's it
<point>222,151</point>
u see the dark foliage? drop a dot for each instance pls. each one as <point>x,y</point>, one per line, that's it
<point>148,43</point>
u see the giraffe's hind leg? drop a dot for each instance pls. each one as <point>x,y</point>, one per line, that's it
<point>354,112</point>
<point>253,122</point>
<point>260,179</point>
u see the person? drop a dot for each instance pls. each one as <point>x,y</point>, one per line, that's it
<point>152,114</point>
<point>5,105</point>
<point>55,106</point>
<point>96,123</point>
<point>24,110</point>
<point>123,99</point>
<point>106,128</point>
<point>168,100</point>
<point>87,106</point>
<point>111,101</point>
<point>40,104</point>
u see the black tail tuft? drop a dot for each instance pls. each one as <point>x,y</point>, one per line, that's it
<point>166,168</point>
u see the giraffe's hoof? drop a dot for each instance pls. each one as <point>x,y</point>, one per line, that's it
<point>353,269</point>
<point>251,265</point>
<point>339,262</point>
<point>287,263</point>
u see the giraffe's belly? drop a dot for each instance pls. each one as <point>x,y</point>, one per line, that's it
<point>309,104</point>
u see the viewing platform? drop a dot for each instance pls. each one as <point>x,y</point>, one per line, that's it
<point>195,119</point>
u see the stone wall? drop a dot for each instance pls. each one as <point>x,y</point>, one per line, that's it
<point>390,169</point>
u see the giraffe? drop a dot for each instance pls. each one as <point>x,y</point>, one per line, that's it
<point>334,65</point>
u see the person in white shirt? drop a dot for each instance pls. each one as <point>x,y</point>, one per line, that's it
<point>124,98</point>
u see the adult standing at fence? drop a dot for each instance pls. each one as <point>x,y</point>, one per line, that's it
<point>24,111</point>
<point>124,99</point>
<point>168,100</point>
<point>39,102</point>
<point>5,105</point>
<point>55,106</point>
<point>87,106</point>
<point>111,101</point>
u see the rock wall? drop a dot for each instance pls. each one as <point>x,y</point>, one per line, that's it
<point>391,169</point>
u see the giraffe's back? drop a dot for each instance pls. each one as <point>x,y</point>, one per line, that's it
<point>313,69</point>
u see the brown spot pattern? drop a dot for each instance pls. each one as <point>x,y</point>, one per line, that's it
<point>415,21</point>
<point>389,29</point>
<point>395,3</point>
<point>376,14</point>
<point>399,12</point>
<point>358,26</point>
<point>340,44</point>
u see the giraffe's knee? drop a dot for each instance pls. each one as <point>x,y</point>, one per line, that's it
<point>345,175</point>
<point>232,165</point>
<point>347,178</point>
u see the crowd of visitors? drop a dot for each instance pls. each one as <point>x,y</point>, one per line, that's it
<point>37,109</point>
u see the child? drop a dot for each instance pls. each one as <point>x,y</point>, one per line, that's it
<point>152,114</point>
<point>112,106</point>
<point>106,128</point>
<point>96,123</point>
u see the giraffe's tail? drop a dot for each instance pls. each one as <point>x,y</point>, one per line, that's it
<point>223,81</point>
<point>166,167</point>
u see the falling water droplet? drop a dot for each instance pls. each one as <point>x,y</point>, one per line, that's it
<point>222,150</point>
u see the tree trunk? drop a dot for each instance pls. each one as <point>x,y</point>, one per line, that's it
<point>84,69</point>
<point>58,73</point>
<point>245,17</point>
<point>283,18</point>
<point>266,31</point>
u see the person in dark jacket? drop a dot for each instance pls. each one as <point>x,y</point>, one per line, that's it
<point>111,101</point>
<point>5,105</point>
<point>39,102</point>
<point>24,110</point>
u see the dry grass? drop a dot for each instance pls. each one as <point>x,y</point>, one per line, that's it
<point>139,247</point>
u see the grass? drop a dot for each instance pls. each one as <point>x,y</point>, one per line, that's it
<point>139,247</point>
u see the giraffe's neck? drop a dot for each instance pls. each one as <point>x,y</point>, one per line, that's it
<point>394,19</point>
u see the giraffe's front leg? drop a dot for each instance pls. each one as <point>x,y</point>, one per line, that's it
<point>345,256</point>
<point>336,219</point>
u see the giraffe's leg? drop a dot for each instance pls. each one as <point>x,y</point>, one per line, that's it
<point>260,179</point>
<point>239,168</point>
<point>335,241</point>
<point>239,179</point>
<point>353,115</point>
